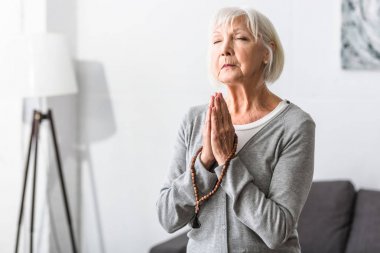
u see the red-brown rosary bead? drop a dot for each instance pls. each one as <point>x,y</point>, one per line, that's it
<point>217,185</point>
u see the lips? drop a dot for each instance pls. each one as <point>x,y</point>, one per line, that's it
<point>228,65</point>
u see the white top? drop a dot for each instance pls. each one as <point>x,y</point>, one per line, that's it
<point>247,131</point>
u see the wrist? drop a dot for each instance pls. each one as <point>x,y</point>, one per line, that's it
<point>207,163</point>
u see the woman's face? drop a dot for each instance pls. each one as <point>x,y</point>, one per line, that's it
<point>235,55</point>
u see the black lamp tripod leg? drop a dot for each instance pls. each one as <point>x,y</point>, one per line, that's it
<point>25,182</point>
<point>37,118</point>
<point>62,181</point>
<point>38,122</point>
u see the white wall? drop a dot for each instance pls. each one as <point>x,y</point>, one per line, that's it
<point>10,136</point>
<point>343,103</point>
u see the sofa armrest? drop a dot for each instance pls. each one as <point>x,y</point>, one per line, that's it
<point>325,221</point>
<point>365,231</point>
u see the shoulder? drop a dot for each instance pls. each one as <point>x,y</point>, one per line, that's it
<point>192,120</point>
<point>296,116</point>
<point>195,113</point>
<point>297,121</point>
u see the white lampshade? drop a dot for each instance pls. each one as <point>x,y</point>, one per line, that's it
<point>37,65</point>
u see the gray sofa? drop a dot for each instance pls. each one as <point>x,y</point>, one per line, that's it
<point>335,219</point>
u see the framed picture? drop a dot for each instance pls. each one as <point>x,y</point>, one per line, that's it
<point>360,37</point>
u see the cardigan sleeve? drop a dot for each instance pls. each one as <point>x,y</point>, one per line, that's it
<point>176,202</point>
<point>275,216</point>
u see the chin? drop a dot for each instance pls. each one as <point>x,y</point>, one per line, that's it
<point>229,76</point>
<point>228,84</point>
<point>227,80</point>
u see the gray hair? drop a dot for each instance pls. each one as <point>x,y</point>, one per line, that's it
<point>260,27</point>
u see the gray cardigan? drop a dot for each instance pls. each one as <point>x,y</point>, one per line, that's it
<point>257,207</point>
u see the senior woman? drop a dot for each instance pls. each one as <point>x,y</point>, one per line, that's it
<point>242,166</point>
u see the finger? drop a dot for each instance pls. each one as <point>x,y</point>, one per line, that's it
<point>222,135</point>
<point>220,109</point>
<point>228,123</point>
<point>208,115</point>
<point>226,114</point>
<point>219,115</point>
<point>223,112</point>
<point>213,122</point>
<point>225,121</point>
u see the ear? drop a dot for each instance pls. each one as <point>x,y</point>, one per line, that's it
<point>266,57</point>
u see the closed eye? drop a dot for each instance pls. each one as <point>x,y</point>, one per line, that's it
<point>215,42</point>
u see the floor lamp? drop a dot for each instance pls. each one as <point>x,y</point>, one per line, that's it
<point>44,69</point>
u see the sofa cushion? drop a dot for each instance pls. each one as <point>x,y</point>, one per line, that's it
<point>324,223</point>
<point>365,231</point>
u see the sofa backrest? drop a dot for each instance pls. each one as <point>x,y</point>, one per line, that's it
<point>324,223</point>
<point>365,229</point>
<point>334,219</point>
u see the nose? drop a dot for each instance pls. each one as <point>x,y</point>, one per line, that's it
<point>227,48</point>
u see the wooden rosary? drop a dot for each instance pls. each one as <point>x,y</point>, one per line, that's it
<point>194,220</point>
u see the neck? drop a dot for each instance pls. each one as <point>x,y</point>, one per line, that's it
<point>253,99</point>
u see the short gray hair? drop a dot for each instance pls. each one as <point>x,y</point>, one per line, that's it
<point>260,26</point>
